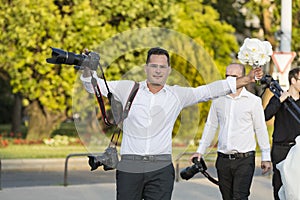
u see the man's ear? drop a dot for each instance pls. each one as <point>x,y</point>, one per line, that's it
<point>293,81</point>
<point>170,70</point>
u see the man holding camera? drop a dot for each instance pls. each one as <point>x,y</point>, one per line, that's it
<point>239,116</point>
<point>145,170</point>
<point>286,127</point>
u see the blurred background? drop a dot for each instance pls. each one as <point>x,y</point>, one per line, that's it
<point>37,98</point>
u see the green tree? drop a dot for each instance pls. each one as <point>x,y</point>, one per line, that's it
<point>29,28</point>
<point>202,23</point>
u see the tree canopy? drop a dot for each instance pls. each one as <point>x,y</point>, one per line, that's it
<point>114,29</point>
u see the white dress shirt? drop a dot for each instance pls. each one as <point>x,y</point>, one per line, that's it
<point>290,173</point>
<point>148,128</point>
<point>239,119</point>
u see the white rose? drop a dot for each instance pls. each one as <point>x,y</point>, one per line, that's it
<point>255,52</point>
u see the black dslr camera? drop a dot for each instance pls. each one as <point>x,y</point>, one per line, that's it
<point>59,56</point>
<point>272,84</point>
<point>189,172</point>
<point>109,159</point>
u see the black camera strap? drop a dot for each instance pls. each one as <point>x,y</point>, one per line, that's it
<point>132,94</point>
<point>209,177</point>
<point>203,169</point>
<point>126,111</point>
<point>110,95</point>
<point>277,90</point>
<point>100,101</point>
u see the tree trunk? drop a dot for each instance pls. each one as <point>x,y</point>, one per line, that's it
<point>41,122</point>
<point>17,114</point>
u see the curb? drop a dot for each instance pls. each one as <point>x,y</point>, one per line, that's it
<point>44,164</point>
<point>48,164</point>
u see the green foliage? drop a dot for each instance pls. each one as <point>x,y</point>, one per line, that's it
<point>202,65</point>
<point>65,128</point>
<point>296,30</point>
<point>230,12</point>
<point>202,23</point>
<point>29,28</point>
<point>119,31</point>
<point>61,140</point>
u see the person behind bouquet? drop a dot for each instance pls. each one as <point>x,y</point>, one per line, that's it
<point>145,170</point>
<point>286,127</point>
<point>240,117</point>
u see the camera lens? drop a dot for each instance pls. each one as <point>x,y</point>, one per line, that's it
<point>60,56</point>
<point>189,172</point>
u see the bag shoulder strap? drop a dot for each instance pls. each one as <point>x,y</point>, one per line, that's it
<point>130,99</point>
<point>132,94</point>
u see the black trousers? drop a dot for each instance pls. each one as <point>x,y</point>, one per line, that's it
<point>151,185</point>
<point>278,153</point>
<point>235,177</point>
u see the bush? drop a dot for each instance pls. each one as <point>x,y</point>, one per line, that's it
<point>66,128</point>
<point>61,140</point>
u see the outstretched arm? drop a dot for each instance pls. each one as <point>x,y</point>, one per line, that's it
<point>250,77</point>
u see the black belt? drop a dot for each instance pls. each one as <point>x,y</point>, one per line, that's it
<point>161,157</point>
<point>236,155</point>
<point>288,144</point>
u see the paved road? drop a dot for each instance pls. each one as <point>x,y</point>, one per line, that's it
<point>35,181</point>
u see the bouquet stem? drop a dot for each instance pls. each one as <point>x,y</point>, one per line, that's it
<point>257,81</point>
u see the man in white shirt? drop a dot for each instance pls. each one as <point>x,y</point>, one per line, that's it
<point>145,170</point>
<point>240,116</point>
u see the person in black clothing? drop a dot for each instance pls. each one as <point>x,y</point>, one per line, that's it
<point>286,127</point>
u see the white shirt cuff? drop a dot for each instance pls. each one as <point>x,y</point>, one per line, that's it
<point>232,83</point>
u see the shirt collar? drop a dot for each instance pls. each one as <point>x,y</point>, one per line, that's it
<point>244,93</point>
<point>145,87</point>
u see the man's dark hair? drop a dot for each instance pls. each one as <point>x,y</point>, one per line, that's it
<point>293,74</point>
<point>158,51</point>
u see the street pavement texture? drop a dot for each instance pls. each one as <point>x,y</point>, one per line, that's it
<point>38,180</point>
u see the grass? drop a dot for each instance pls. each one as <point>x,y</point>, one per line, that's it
<point>39,151</point>
<point>44,151</point>
<point>14,151</point>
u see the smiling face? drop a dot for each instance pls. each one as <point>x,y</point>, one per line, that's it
<point>157,70</point>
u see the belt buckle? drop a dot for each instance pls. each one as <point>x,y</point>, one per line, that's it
<point>231,156</point>
<point>148,158</point>
<point>292,144</point>
<point>145,158</point>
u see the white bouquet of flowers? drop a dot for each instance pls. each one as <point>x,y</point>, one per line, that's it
<point>255,52</point>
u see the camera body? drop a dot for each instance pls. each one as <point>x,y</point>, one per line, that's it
<point>189,172</point>
<point>59,56</point>
<point>109,159</point>
<point>272,84</point>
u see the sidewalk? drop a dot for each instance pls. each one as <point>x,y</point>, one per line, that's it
<point>188,190</point>
<point>42,179</point>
